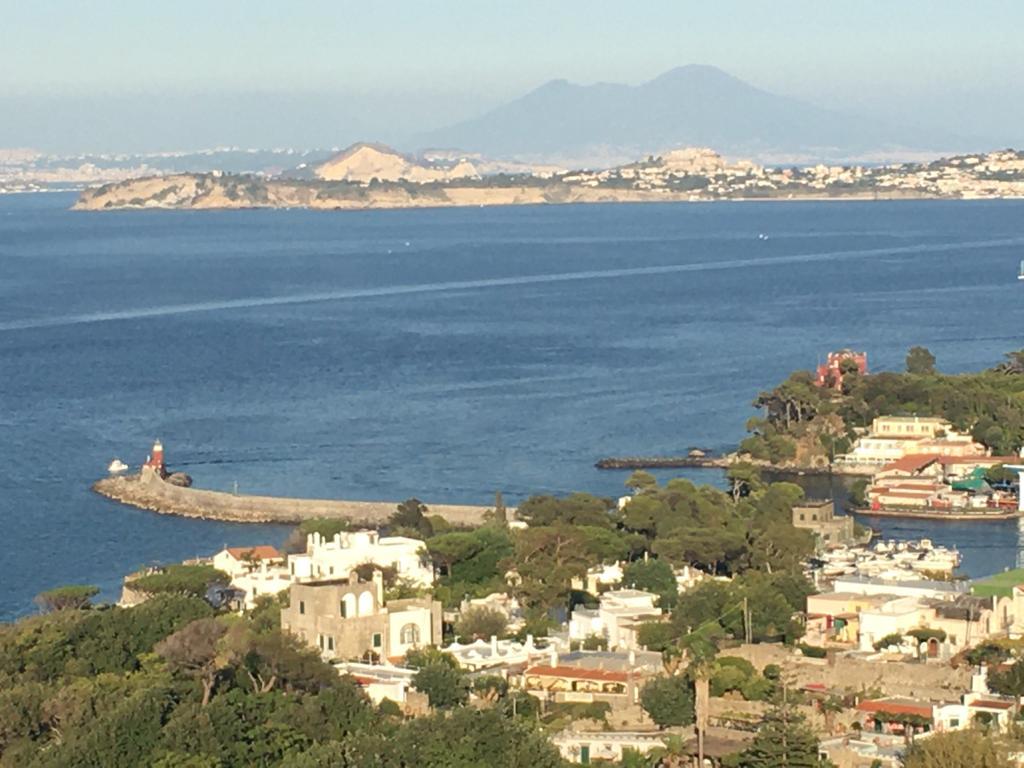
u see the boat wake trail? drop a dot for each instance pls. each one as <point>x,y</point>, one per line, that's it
<point>496,282</point>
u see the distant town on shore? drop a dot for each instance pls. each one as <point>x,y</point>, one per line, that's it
<point>374,176</point>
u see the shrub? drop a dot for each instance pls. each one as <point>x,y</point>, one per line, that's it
<point>812,651</point>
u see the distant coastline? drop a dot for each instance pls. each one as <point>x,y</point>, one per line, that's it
<point>366,177</point>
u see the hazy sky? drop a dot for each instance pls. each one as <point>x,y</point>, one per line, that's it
<point>72,73</point>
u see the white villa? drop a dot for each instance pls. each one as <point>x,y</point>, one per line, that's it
<point>257,571</point>
<point>617,618</point>
<point>337,557</point>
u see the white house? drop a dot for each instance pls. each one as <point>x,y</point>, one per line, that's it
<point>257,571</point>
<point>617,618</point>
<point>338,556</point>
<point>238,561</point>
<point>585,747</point>
<point>498,654</point>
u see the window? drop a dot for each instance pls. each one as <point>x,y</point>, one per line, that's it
<point>292,567</point>
<point>330,642</point>
<point>349,601</point>
<point>331,570</point>
<point>801,515</point>
<point>320,641</point>
<point>410,634</point>
<point>342,610</point>
<point>377,640</point>
<point>302,607</point>
<point>366,604</point>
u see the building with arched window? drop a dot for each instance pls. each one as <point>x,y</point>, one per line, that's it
<point>349,619</point>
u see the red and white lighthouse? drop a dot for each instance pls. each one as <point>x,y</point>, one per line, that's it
<point>156,458</point>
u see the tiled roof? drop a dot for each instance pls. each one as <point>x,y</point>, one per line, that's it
<point>896,707</point>
<point>912,462</point>
<point>991,704</point>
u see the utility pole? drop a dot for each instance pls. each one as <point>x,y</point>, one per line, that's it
<point>748,633</point>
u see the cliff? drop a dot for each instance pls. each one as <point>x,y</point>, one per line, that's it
<point>215,191</point>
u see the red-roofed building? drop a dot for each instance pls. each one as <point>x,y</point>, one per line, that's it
<point>565,682</point>
<point>238,561</point>
<point>830,373</point>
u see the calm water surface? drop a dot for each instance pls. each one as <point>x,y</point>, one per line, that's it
<point>444,354</point>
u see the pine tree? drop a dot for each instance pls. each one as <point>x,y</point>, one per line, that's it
<point>784,740</point>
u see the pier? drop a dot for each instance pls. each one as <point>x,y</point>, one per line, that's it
<point>148,490</point>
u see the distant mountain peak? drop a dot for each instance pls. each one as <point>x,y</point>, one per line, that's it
<point>689,105</point>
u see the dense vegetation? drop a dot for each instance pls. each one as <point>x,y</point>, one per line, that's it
<point>171,683</point>
<point>804,422</point>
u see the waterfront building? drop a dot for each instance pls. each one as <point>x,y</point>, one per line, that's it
<point>326,558</point>
<point>892,438</point>
<point>254,571</point>
<point>819,517</point>
<point>934,481</point>
<point>349,619</point>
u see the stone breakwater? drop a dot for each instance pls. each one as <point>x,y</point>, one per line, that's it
<point>149,491</point>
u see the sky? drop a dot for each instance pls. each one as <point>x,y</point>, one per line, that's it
<point>114,74</point>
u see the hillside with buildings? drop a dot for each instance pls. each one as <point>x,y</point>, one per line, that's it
<point>366,176</point>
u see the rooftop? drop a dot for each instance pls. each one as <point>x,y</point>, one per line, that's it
<point>259,552</point>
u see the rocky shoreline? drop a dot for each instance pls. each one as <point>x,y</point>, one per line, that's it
<point>149,491</point>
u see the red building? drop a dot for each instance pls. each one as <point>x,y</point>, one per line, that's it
<point>830,372</point>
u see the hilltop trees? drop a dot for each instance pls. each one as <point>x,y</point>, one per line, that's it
<point>821,422</point>
<point>72,596</point>
<point>920,361</point>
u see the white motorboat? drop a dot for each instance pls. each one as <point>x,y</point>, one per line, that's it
<point>117,466</point>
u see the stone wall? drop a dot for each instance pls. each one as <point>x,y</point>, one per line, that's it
<point>928,680</point>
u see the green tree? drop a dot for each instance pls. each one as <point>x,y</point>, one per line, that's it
<point>653,576</point>
<point>668,701</point>
<point>192,580</point>
<point>72,596</point>
<point>412,516</point>
<point>481,622</point>
<point>783,740</point>
<point>195,651</point>
<point>1008,681</point>
<point>641,480</point>
<point>743,478</point>
<point>920,361</point>
<point>956,749</point>
<point>444,685</point>
<point>575,509</point>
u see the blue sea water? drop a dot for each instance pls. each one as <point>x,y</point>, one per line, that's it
<point>445,354</point>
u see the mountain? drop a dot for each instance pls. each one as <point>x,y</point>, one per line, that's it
<point>688,106</point>
<point>363,162</point>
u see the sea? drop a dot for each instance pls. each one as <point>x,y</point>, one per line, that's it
<point>445,354</point>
